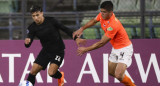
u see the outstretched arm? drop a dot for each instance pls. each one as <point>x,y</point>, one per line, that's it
<point>102,42</point>
<point>79,32</point>
<point>68,31</point>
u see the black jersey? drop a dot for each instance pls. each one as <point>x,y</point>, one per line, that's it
<point>48,33</point>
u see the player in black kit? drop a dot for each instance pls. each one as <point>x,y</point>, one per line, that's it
<point>47,30</point>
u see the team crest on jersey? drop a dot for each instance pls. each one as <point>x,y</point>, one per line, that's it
<point>27,31</point>
<point>109,29</point>
<point>104,25</point>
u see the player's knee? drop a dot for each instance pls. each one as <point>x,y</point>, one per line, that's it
<point>112,74</point>
<point>51,73</point>
<point>55,74</point>
<point>119,76</point>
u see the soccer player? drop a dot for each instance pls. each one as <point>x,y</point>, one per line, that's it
<point>120,57</point>
<point>47,30</point>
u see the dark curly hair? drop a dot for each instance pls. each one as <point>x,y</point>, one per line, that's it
<point>35,8</point>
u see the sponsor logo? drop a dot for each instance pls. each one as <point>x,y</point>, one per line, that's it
<point>109,29</point>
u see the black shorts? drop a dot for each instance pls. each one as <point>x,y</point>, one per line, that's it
<point>44,58</point>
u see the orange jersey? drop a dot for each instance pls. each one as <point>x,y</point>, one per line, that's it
<point>114,30</point>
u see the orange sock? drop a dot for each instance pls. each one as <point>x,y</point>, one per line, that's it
<point>127,81</point>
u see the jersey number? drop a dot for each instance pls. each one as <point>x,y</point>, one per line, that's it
<point>58,58</point>
<point>122,54</point>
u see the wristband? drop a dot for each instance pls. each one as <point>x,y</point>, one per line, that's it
<point>75,37</point>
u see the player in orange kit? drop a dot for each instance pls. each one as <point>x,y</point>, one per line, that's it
<point>120,57</point>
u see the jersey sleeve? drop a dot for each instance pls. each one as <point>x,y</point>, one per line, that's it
<point>111,32</point>
<point>65,29</point>
<point>30,34</point>
<point>98,17</point>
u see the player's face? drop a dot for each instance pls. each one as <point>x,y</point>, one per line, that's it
<point>38,17</point>
<point>105,14</point>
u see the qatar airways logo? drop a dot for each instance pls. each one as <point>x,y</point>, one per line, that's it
<point>92,70</point>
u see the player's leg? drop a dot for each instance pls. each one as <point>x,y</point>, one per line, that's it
<point>35,69</point>
<point>117,70</point>
<point>112,63</point>
<point>40,63</point>
<point>111,68</point>
<point>120,70</point>
<point>119,60</point>
<point>120,75</point>
<point>124,61</point>
<point>53,71</point>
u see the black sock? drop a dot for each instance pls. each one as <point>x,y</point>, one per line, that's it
<point>31,78</point>
<point>57,75</point>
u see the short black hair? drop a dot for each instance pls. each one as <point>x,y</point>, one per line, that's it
<point>108,5</point>
<point>35,8</point>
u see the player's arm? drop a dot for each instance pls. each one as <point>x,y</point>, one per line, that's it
<point>88,24</point>
<point>102,42</point>
<point>28,41</point>
<point>68,31</point>
<point>62,27</point>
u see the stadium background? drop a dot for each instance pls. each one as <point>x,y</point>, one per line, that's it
<point>141,19</point>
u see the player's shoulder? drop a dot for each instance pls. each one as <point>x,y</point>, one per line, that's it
<point>32,26</point>
<point>98,17</point>
<point>115,23</point>
<point>49,18</point>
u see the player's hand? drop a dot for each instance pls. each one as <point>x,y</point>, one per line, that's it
<point>80,41</point>
<point>27,40</point>
<point>81,51</point>
<point>78,33</point>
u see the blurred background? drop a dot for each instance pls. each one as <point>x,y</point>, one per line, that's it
<point>141,18</point>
